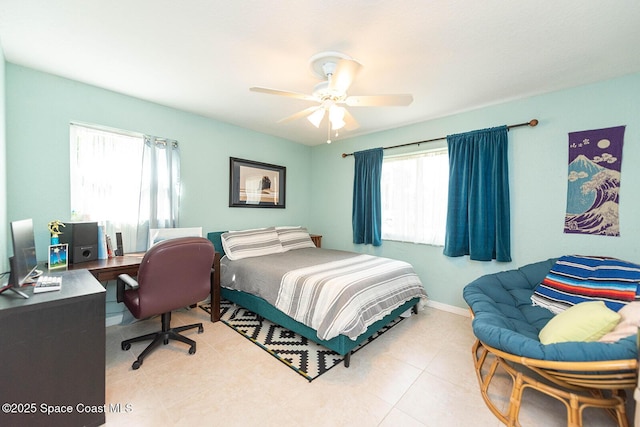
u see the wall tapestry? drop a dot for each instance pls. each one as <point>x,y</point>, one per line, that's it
<point>595,159</point>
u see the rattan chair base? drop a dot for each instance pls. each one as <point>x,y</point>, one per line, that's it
<point>577,385</point>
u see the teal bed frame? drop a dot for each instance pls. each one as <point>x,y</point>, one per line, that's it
<point>341,344</point>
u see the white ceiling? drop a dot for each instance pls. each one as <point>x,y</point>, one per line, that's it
<point>203,55</point>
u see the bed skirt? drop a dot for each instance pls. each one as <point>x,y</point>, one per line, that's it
<point>340,344</point>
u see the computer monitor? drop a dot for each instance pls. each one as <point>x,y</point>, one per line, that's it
<point>24,262</point>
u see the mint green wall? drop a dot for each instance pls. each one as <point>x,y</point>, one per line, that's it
<point>39,107</point>
<point>538,169</point>
<point>4,237</point>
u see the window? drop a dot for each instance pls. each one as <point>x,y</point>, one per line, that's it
<point>414,191</point>
<point>127,182</point>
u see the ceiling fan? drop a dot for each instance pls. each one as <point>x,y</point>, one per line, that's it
<point>338,71</point>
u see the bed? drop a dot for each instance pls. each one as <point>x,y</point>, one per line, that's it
<point>279,274</point>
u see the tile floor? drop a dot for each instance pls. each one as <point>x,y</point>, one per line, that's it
<point>418,374</point>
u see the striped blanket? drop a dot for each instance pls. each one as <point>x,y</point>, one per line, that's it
<point>575,279</point>
<point>346,296</point>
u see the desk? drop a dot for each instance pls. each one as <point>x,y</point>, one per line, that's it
<point>53,353</point>
<point>109,269</point>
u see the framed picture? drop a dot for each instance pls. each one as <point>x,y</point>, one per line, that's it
<point>256,185</point>
<point>58,256</point>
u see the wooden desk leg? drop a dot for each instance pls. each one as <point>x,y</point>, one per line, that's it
<point>215,289</point>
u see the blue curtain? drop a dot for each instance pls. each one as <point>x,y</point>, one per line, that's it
<point>478,218</point>
<point>367,207</point>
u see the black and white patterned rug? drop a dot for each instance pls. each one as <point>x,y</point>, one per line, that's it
<point>300,354</point>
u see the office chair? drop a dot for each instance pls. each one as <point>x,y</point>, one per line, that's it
<point>173,274</point>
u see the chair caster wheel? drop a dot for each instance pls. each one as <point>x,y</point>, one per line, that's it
<point>136,364</point>
<point>125,346</point>
<point>200,329</point>
<point>192,350</point>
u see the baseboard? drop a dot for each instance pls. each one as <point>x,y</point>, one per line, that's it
<point>450,308</point>
<point>118,318</point>
<point>113,319</point>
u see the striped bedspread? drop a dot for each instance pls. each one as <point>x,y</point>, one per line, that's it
<point>348,295</point>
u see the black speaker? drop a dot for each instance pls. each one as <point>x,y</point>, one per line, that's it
<point>119,248</point>
<point>82,238</point>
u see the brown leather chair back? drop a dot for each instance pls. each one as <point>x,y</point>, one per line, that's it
<point>173,274</point>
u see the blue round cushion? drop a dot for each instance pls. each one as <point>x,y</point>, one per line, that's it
<point>505,318</point>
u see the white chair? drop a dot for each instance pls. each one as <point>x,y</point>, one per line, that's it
<point>157,235</point>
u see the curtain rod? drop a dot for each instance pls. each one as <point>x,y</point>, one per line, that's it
<point>531,123</point>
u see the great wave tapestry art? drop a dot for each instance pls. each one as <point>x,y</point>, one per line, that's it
<point>595,159</point>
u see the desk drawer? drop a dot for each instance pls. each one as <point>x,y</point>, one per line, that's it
<point>113,273</point>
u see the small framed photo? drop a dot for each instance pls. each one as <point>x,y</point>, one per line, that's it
<point>58,256</point>
<point>256,185</point>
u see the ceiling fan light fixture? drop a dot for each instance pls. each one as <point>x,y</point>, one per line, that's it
<point>316,117</point>
<point>336,72</point>
<point>336,117</point>
<point>337,125</point>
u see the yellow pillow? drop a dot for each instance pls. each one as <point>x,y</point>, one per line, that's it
<point>587,321</point>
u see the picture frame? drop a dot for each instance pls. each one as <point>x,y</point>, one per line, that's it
<point>256,185</point>
<point>58,256</point>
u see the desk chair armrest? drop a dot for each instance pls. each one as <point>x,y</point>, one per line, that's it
<point>124,280</point>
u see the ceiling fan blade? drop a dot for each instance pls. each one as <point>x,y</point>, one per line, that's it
<point>379,100</point>
<point>344,74</point>
<point>283,93</point>
<point>350,121</point>
<point>300,114</point>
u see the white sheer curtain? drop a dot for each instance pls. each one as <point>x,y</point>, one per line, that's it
<point>126,182</point>
<point>105,180</point>
<point>160,191</point>
<point>414,191</point>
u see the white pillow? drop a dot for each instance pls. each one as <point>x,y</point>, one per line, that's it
<point>294,238</point>
<point>251,243</point>
<point>628,325</point>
